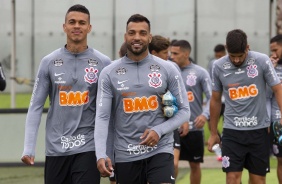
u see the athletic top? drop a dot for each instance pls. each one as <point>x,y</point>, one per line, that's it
<point>130,92</point>
<point>244,89</point>
<point>197,82</point>
<point>71,82</point>
<point>275,111</point>
<point>2,79</point>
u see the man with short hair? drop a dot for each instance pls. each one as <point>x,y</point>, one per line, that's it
<point>130,91</point>
<point>241,76</point>
<point>159,47</point>
<point>276,55</point>
<point>197,84</point>
<point>69,76</point>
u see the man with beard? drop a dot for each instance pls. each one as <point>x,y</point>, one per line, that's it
<point>130,91</point>
<point>241,76</point>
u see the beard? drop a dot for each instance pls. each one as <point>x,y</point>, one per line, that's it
<point>138,51</point>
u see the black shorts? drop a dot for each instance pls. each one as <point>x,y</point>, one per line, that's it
<point>176,137</point>
<point>245,149</point>
<point>192,147</point>
<point>154,170</point>
<point>275,147</point>
<point>78,168</point>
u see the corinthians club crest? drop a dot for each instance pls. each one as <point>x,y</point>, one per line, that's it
<point>155,80</point>
<point>252,71</point>
<point>91,75</point>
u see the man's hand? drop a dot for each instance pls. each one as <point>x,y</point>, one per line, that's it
<point>213,139</point>
<point>274,60</point>
<point>105,167</point>
<point>28,160</point>
<point>184,129</point>
<point>150,138</point>
<point>200,121</point>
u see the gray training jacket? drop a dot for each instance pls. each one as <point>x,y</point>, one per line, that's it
<point>130,92</point>
<point>70,81</point>
<point>197,82</point>
<point>244,90</point>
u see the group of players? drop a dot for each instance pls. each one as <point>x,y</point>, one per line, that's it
<point>107,117</point>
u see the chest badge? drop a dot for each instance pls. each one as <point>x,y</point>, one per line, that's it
<point>191,80</point>
<point>252,71</point>
<point>155,80</point>
<point>91,75</point>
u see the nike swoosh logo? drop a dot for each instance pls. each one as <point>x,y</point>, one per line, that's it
<point>172,178</point>
<point>120,82</point>
<point>58,74</point>
<point>196,158</point>
<point>176,144</point>
<point>225,75</point>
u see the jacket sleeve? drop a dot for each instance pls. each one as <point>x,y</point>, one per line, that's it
<point>2,79</point>
<point>38,98</point>
<point>103,131</point>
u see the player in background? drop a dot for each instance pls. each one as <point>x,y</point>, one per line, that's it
<point>159,47</point>
<point>276,57</point>
<point>241,76</point>
<point>197,82</point>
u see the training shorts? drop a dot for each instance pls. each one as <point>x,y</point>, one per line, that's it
<point>154,170</point>
<point>245,149</point>
<point>192,147</point>
<point>77,168</point>
<point>176,136</point>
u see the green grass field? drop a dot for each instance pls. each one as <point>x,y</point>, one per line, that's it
<point>34,175</point>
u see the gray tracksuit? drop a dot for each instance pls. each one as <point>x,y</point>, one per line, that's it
<point>130,92</point>
<point>70,81</point>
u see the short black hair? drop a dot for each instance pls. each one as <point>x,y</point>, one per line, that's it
<point>277,38</point>
<point>219,48</point>
<point>183,44</point>
<point>138,18</point>
<point>78,8</point>
<point>236,41</point>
